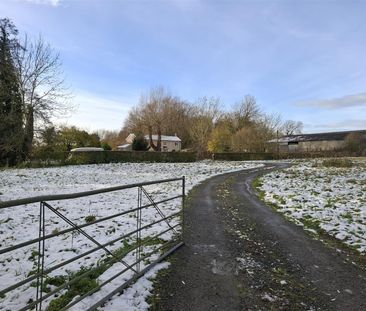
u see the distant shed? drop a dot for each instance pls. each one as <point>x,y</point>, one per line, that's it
<point>315,142</point>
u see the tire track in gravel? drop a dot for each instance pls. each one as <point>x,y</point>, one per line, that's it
<point>242,255</point>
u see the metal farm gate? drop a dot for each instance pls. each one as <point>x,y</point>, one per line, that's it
<point>36,278</point>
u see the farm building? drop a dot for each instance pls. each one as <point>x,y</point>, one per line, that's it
<point>318,142</point>
<point>168,143</point>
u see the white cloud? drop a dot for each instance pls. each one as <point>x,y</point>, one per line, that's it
<point>352,100</point>
<point>96,112</point>
<point>46,2</point>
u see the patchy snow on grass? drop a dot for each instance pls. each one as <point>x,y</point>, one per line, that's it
<point>21,223</point>
<point>321,196</point>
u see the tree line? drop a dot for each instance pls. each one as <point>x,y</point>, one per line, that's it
<point>62,139</point>
<point>204,126</point>
<point>32,91</point>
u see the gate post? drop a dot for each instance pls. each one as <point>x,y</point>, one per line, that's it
<point>41,250</point>
<point>183,204</point>
<point>138,225</point>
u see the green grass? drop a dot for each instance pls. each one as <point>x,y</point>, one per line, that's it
<point>79,287</point>
<point>90,218</point>
<point>348,216</point>
<point>311,223</point>
<point>280,199</point>
<point>257,184</point>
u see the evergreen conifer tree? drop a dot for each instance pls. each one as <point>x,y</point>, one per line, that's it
<point>11,110</point>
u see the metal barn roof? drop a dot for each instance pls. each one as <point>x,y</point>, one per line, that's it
<point>317,136</point>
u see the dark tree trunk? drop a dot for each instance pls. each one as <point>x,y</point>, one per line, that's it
<point>151,142</point>
<point>28,131</point>
<point>159,139</point>
<point>156,147</point>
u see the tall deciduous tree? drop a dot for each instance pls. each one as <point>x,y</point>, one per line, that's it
<point>11,112</point>
<point>220,139</point>
<point>149,115</point>
<point>245,113</point>
<point>291,127</point>
<point>248,139</point>
<point>205,114</point>
<point>159,113</point>
<point>43,90</point>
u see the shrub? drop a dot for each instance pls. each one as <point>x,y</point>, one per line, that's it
<point>90,218</point>
<point>355,142</point>
<point>106,146</point>
<point>140,143</point>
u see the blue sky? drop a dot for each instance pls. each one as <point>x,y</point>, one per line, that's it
<point>302,59</point>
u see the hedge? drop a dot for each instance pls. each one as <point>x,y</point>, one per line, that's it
<point>60,156</point>
<point>251,156</point>
<point>94,157</point>
<point>243,156</point>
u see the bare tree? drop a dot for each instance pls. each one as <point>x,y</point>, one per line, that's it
<point>150,114</point>
<point>178,120</point>
<point>205,114</point>
<point>252,128</point>
<point>291,127</point>
<point>204,125</point>
<point>245,113</point>
<point>247,139</point>
<point>158,112</point>
<point>273,121</point>
<point>112,138</point>
<point>42,85</point>
<point>157,102</point>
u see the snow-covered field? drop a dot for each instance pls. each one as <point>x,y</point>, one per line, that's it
<point>19,224</point>
<point>332,199</point>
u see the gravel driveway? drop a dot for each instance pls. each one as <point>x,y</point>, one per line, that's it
<point>242,255</point>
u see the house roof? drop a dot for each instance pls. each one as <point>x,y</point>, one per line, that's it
<point>317,136</point>
<point>86,149</point>
<point>129,139</point>
<point>164,138</point>
<point>123,146</point>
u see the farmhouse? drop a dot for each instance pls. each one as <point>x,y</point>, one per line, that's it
<point>168,143</point>
<point>318,142</point>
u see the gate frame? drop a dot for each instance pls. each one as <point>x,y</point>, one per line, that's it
<point>44,206</point>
